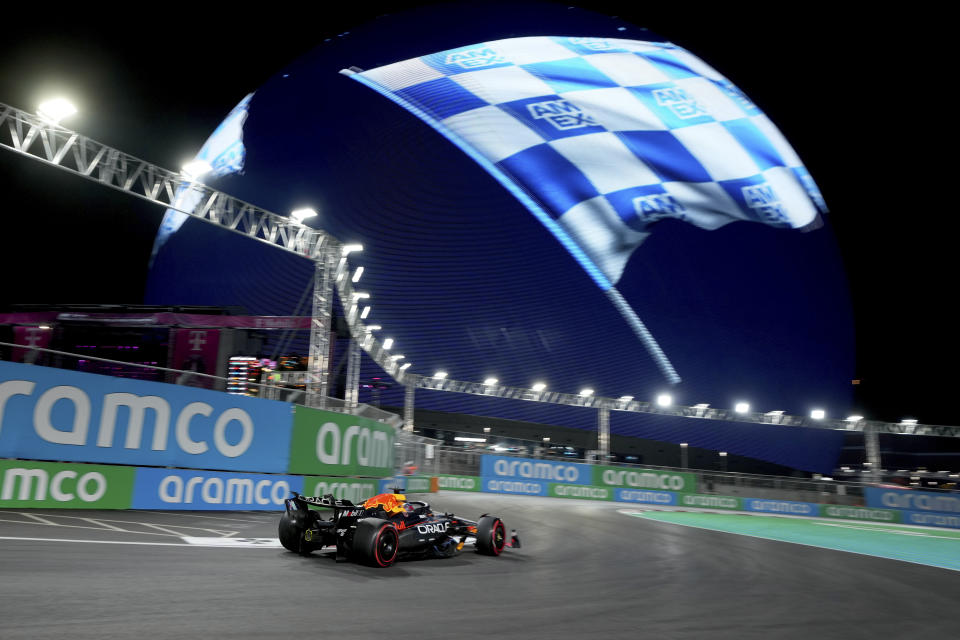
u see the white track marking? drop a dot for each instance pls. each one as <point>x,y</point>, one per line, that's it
<point>138,533</point>
<point>190,515</point>
<point>899,532</point>
<point>103,524</point>
<point>57,515</point>
<point>38,518</point>
<point>144,544</point>
<point>173,532</point>
<point>234,542</point>
<point>176,532</point>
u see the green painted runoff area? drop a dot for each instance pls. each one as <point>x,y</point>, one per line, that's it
<point>933,547</point>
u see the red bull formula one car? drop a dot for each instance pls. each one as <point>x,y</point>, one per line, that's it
<point>383,529</point>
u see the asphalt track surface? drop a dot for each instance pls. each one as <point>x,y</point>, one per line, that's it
<point>584,570</point>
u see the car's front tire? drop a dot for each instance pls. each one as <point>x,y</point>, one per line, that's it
<point>491,536</point>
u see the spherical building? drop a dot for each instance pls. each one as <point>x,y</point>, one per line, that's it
<point>466,280</point>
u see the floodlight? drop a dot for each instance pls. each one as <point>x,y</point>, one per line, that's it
<point>357,274</point>
<point>302,214</point>
<point>56,109</point>
<point>365,313</point>
<point>664,400</point>
<point>399,356</point>
<point>818,414</point>
<point>490,381</point>
<point>742,407</point>
<point>350,248</point>
<point>373,327</point>
<point>854,418</point>
<point>626,398</point>
<point>586,392</point>
<point>357,295</point>
<point>388,344</point>
<point>723,454</point>
<point>405,366</point>
<point>440,374</point>
<point>196,168</point>
<point>538,386</point>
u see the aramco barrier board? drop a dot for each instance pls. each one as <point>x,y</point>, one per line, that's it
<point>54,414</point>
<point>526,476</point>
<point>26,484</point>
<point>31,484</point>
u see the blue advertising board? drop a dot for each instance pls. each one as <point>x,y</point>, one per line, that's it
<point>518,487</point>
<point>529,470</point>
<point>645,496</point>
<point>931,519</point>
<point>211,490</point>
<point>783,507</point>
<point>910,500</point>
<point>53,414</point>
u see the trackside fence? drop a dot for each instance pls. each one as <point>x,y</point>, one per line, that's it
<point>70,439</point>
<point>425,456</point>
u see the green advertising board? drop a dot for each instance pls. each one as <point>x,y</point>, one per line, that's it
<point>710,502</point>
<point>28,484</point>
<point>356,490</point>
<point>583,492</point>
<point>859,513</point>
<point>337,444</point>
<point>630,478</point>
<point>459,483</point>
<point>416,484</point>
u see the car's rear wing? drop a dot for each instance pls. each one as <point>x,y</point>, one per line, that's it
<point>325,501</point>
<point>341,508</point>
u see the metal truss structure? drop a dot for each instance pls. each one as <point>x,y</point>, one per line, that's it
<point>351,393</point>
<point>52,144</point>
<point>699,411</point>
<point>31,136</point>
<point>318,368</point>
<point>57,146</point>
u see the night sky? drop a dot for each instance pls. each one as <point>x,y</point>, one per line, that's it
<point>862,98</point>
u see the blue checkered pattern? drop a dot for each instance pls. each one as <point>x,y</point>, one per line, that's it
<point>603,137</point>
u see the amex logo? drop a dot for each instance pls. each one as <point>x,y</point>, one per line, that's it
<point>474,58</point>
<point>561,114</point>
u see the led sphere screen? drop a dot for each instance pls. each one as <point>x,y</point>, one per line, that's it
<point>542,195</point>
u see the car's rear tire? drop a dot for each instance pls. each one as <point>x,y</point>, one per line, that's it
<point>491,536</point>
<point>290,531</point>
<point>376,542</point>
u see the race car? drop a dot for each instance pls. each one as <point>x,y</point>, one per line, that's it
<point>384,528</point>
